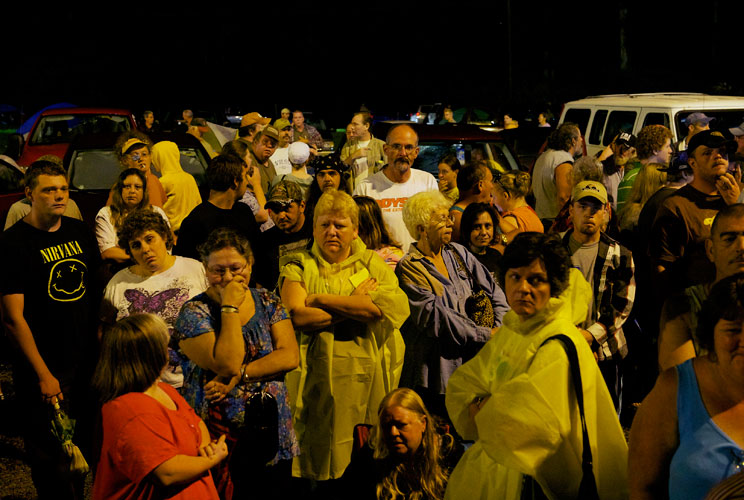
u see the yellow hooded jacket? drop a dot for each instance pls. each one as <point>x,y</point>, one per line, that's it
<point>531,424</point>
<point>347,369</point>
<point>180,187</point>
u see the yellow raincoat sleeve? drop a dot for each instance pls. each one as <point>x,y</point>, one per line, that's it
<point>519,425</point>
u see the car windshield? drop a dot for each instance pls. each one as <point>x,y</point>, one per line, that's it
<point>56,129</point>
<point>95,169</point>
<point>495,153</point>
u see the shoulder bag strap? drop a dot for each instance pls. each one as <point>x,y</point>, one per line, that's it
<point>588,487</point>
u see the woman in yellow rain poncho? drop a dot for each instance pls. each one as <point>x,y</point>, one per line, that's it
<point>347,307</point>
<point>516,399</point>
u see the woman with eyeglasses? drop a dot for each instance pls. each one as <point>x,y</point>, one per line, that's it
<point>157,282</point>
<point>688,434</point>
<point>237,343</point>
<point>447,325</point>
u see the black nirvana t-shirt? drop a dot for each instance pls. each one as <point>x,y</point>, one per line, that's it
<point>54,271</point>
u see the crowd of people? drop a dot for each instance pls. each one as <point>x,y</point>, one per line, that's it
<point>350,326</point>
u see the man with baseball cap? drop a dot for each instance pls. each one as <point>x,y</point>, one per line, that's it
<point>261,148</point>
<point>280,158</point>
<point>696,123</point>
<point>298,154</point>
<point>250,124</point>
<point>608,267</point>
<point>292,230</point>
<point>683,222</point>
<point>738,133</point>
<point>614,158</point>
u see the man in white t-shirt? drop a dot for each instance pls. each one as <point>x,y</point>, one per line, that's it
<point>397,181</point>
<point>280,158</point>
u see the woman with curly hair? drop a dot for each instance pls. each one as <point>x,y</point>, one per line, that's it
<point>157,282</point>
<point>408,456</point>
<point>510,190</point>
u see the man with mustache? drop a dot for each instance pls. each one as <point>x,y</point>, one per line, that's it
<point>683,222</point>
<point>397,181</point>
<point>608,267</point>
<point>725,249</point>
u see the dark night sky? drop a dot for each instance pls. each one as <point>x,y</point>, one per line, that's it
<point>391,55</point>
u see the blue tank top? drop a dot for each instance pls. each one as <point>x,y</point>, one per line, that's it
<point>706,455</point>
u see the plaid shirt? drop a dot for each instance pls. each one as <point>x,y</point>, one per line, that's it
<point>614,291</point>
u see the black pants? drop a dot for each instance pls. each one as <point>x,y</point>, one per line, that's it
<point>48,462</point>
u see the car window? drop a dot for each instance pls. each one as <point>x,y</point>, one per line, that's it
<point>619,121</point>
<point>193,162</point>
<point>94,169</point>
<point>56,129</point>
<point>579,116</point>
<point>495,153</point>
<point>656,119</point>
<point>99,168</point>
<point>595,136</point>
<point>724,119</point>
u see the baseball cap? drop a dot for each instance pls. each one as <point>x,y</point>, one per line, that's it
<point>252,118</point>
<point>712,139</point>
<point>697,118</point>
<point>271,132</point>
<point>625,138</point>
<point>586,189</point>
<point>737,131</point>
<point>132,144</point>
<point>281,124</point>
<point>283,194</point>
<point>298,153</point>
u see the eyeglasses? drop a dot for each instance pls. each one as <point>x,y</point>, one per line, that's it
<point>408,148</point>
<point>220,271</point>
<point>443,219</point>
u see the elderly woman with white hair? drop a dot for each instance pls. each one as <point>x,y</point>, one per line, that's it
<point>455,304</point>
<point>345,302</point>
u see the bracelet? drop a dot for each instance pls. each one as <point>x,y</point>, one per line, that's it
<point>229,309</point>
<point>503,239</point>
<point>242,374</point>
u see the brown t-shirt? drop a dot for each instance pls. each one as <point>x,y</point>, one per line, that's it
<point>677,239</point>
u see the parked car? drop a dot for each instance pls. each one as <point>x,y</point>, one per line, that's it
<point>11,182</point>
<point>602,117</point>
<point>55,129</point>
<point>435,141</point>
<point>92,167</point>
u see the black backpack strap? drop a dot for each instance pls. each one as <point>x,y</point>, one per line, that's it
<point>588,485</point>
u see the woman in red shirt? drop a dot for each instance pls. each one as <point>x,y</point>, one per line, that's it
<point>154,445</point>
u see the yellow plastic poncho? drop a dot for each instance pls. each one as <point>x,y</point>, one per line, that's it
<point>531,424</point>
<point>180,187</point>
<point>347,369</point>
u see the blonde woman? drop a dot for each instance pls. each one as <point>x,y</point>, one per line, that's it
<point>650,179</point>
<point>407,456</point>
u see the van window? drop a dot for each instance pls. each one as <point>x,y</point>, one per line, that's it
<point>619,121</point>
<point>598,126</point>
<point>578,116</point>
<point>656,119</point>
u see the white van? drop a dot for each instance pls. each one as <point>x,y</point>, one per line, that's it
<point>602,117</point>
